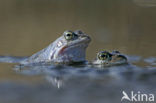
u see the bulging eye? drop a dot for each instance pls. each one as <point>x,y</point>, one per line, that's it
<point>104,55</point>
<point>69,35</point>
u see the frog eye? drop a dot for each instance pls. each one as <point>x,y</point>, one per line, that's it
<point>69,35</point>
<point>104,55</point>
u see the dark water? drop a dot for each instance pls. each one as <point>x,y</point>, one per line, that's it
<point>27,26</point>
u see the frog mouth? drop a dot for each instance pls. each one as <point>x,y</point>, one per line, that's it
<point>85,40</point>
<point>82,44</point>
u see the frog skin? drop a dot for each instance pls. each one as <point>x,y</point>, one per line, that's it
<point>106,58</point>
<point>70,47</point>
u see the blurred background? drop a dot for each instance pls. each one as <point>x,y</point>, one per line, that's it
<point>27,26</point>
<point>129,26</point>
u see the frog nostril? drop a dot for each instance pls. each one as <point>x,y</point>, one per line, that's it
<point>115,51</point>
<point>78,32</point>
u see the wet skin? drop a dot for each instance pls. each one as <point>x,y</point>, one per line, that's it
<point>110,59</point>
<point>70,47</point>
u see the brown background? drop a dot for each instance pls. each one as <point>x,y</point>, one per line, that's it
<point>27,26</point>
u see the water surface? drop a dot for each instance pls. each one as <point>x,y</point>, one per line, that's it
<point>27,26</point>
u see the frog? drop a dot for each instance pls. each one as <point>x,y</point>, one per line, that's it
<point>70,47</point>
<point>106,58</point>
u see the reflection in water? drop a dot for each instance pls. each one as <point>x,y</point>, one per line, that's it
<point>150,60</point>
<point>58,75</point>
<point>56,81</point>
<point>77,83</point>
<point>27,26</point>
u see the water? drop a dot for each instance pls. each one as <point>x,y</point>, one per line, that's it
<point>126,25</point>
